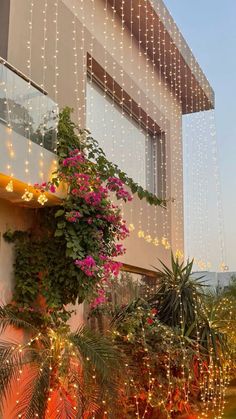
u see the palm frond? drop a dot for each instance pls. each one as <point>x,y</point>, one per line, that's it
<point>8,318</point>
<point>11,362</point>
<point>87,392</point>
<point>35,392</point>
<point>63,408</point>
<point>98,349</point>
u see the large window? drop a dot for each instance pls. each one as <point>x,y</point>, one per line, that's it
<point>122,138</point>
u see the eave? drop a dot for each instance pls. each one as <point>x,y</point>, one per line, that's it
<point>186,79</point>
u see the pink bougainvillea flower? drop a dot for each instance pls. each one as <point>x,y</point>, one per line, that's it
<point>73,216</point>
<point>52,188</point>
<point>76,152</point>
<point>111,267</point>
<point>74,160</point>
<point>103,257</point>
<point>87,265</point>
<point>123,231</point>
<point>75,191</point>
<point>40,186</point>
<point>119,250</point>
<point>116,185</point>
<point>123,194</point>
<point>93,198</point>
<point>82,178</point>
<point>100,299</point>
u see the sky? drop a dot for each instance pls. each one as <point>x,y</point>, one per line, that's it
<point>209,27</point>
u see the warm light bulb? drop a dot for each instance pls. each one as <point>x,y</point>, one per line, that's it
<point>148,238</point>
<point>179,254</point>
<point>27,196</point>
<point>164,241</point>
<point>9,187</point>
<point>155,241</point>
<point>42,199</point>
<point>141,234</point>
<point>131,227</point>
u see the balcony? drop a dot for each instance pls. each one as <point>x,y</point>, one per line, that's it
<point>28,126</point>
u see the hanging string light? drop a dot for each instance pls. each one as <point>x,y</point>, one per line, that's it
<point>56,74</point>
<point>56,68</point>
<point>43,111</point>
<point>220,217</point>
<point>27,196</point>
<point>5,86</point>
<point>162,139</point>
<point>156,148</point>
<point>76,65</point>
<point>141,232</point>
<point>90,79</point>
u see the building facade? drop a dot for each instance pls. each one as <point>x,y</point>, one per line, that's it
<point>127,72</point>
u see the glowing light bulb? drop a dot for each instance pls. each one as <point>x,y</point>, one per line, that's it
<point>141,234</point>
<point>148,238</point>
<point>179,254</point>
<point>9,187</point>
<point>131,227</point>
<point>164,241</point>
<point>42,199</point>
<point>27,196</point>
<point>155,241</point>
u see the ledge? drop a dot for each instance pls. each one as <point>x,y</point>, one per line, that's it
<point>187,80</point>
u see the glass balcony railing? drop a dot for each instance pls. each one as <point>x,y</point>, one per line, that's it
<point>26,108</point>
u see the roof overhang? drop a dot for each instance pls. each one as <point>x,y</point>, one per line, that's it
<point>171,54</point>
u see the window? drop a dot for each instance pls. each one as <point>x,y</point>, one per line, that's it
<point>122,139</point>
<point>129,286</point>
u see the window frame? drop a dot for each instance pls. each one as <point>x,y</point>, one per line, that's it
<point>97,74</point>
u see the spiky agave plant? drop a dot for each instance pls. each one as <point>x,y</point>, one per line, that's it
<point>178,294</point>
<point>56,373</point>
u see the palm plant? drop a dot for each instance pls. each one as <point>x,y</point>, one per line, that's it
<point>178,294</point>
<point>55,373</point>
<point>217,325</point>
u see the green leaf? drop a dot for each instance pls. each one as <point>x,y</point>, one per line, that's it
<point>58,233</point>
<point>59,213</point>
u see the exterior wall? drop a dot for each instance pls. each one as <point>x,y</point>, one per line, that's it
<point>14,218</point>
<point>163,107</point>
<point>4,27</point>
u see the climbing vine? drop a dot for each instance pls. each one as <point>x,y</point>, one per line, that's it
<point>69,253</point>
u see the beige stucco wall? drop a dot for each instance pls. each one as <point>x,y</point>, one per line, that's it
<point>162,106</point>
